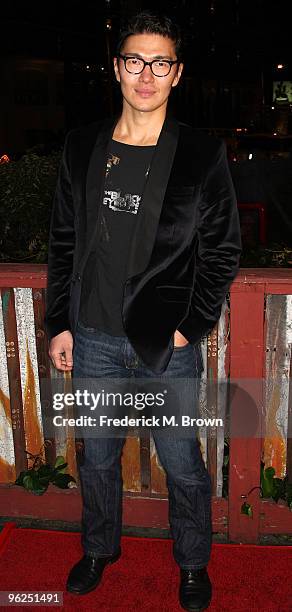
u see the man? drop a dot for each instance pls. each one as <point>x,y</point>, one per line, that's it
<point>144,244</point>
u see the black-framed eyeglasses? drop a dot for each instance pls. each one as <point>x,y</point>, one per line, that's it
<point>158,67</point>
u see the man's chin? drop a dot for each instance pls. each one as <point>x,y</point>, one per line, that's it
<point>146,106</point>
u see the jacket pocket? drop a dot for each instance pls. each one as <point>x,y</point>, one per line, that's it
<point>171,293</point>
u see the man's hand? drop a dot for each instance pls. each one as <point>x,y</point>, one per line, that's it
<point>179,339</point>
<point>60,351</point>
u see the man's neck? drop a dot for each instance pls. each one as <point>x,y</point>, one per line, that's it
<point>139,128</point>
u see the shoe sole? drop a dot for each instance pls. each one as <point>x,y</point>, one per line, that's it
<point>93,586</point>
<point>196,609</point>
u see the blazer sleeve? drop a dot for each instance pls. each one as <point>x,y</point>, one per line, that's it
<point>219,248</point>
<point>60,251</point>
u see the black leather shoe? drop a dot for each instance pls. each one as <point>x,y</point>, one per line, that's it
<point>195,590</point>
<point>87,573</point>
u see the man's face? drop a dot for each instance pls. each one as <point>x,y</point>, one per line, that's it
<point>145,92</point>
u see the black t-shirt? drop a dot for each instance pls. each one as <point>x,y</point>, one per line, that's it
<point>105,270</point>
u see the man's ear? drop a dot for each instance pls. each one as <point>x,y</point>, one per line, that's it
<point>178,74</point>
<point>116,69</point>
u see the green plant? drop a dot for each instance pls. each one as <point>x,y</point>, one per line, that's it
<point>274,256</point>
<point>271,487</point>
<point>37,478</point>
<point>27,189</point>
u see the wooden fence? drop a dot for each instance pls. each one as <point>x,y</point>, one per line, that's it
<point>252,342</point>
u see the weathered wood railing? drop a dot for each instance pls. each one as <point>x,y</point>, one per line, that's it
<point>251,343</point>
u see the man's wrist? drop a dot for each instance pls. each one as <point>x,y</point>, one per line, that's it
<point>57,327</point>
<point>195,327</point>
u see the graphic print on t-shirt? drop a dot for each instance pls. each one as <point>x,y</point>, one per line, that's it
<point>112,160</point>
<point>115,199</point>
<point>127,202</point>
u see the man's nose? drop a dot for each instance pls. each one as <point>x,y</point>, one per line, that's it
<point>146,74</point>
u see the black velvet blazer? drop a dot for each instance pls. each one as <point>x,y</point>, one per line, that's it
<point>186,247</point>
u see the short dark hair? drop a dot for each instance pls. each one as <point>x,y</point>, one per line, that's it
<point>151,23</point>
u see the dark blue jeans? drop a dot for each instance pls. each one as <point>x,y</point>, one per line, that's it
<point>96,355</point>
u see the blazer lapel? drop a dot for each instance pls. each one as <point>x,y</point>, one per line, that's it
<point>96,175</point>
<point>152,198</point>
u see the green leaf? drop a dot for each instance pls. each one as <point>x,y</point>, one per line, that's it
<point>45,470</point>
<point>28,482</point>
<point>19,479</point>
<point>38,486</point>
<point>267,482</point>
<point>270,472</point>
<point>246,509</point>
<point>61,468</point>
<point>60,463</point>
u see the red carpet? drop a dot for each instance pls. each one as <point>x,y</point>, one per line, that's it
<point>245,577</point>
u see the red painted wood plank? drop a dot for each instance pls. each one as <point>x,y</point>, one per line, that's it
<point>35,275</point>
<point>246,350</point>
<point>263,275</point>
<point>22,269</point>
<point>57,504</point>
<point>248,287</point>
<point>23,275</point>
<point>278,288</point>
<point>275,517</point>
